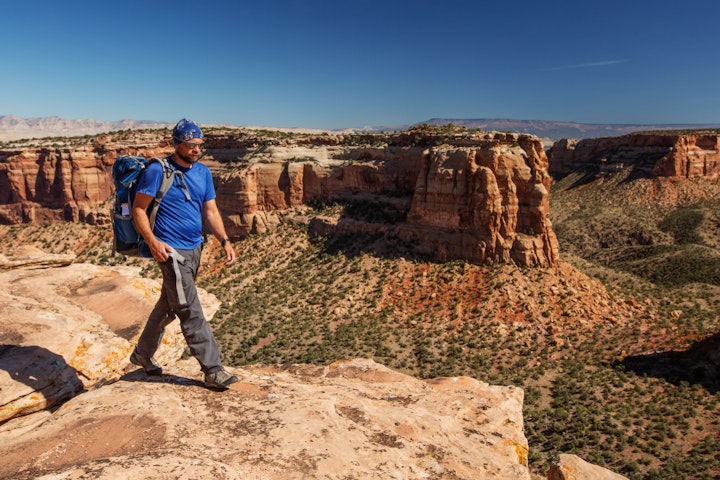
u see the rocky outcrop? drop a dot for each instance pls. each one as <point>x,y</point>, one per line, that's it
<point>484,201</point>
<point>70,330</point>
<point>352,419</point>
<point>572,467</point>
<point>483,197</point>
<point>29,257</point>
<point>493,200</point>
<point>649,155</point>
<point>64,183</point>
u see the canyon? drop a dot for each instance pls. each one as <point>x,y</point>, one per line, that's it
<point>375,189</point>
<point>481,197</point>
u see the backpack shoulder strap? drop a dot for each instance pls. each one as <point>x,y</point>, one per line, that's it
<point>169,174</point>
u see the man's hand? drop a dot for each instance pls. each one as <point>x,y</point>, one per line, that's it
<point>160,250</point>
<point>230,255</point>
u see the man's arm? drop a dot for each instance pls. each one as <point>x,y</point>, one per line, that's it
<point>140,218</point>
<point>213,220</point>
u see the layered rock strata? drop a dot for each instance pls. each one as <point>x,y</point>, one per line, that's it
<point>649,155</point>
<point>66,183</point>
<point>482,197</point>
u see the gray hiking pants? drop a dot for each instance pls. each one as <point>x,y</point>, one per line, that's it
<point>179,297</point>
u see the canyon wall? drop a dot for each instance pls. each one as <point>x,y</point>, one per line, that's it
<point>650,155</point>
<point>482,197</point>
<point>66,182</point>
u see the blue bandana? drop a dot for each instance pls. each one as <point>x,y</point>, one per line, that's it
<point>186,130</point>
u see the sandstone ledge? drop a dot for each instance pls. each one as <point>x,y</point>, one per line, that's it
<point>66,330</point>
<point>72,406</point>
<point>353,419</point>
<point>32,258</point>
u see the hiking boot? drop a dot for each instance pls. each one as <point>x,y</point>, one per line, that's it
<point>220,379</point>
<point>150,366</point>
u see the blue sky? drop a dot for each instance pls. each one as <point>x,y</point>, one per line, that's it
<point>342,63</point>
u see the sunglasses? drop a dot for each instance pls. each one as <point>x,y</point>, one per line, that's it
<point>191,145</point>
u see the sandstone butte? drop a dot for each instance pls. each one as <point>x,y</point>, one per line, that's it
<point>72,407</point>
<point>481,197</point>
<point>666,155</point>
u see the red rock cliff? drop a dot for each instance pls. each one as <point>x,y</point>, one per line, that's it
<point>70,183</point>
<point>651,155</point>
<point>483,197</point>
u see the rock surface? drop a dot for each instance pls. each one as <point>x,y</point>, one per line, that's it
<point>353,419</point>
<point>70,329</point>
<point>572,467</point>
<point>650,155</point>
<point>67,334</point>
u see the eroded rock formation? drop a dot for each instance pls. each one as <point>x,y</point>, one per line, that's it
<point>572,467</point>
<point>482,197</point>
<point>65,183</point>
<point>650,155</point>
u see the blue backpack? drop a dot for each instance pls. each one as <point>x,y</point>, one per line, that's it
<point>126,172</point>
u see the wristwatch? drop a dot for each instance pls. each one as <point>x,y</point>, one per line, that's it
<point>224,241</point>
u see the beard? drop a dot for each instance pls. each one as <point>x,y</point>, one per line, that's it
<point>189,158</point>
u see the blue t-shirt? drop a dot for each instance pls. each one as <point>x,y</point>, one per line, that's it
<point>179,221</point>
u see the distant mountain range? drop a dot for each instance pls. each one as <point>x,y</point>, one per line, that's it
<point>551,131</point>
<point>15,128</point>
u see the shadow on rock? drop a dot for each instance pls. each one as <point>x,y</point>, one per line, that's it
<point>44,372</point>
<point>699,364</point>
<point>139,376</point>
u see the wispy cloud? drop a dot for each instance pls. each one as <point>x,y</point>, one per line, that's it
<point>603,63</point>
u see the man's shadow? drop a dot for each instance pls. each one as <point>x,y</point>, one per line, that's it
<point>138,375</point>
<point>40,369</point>
<point>699,364</point>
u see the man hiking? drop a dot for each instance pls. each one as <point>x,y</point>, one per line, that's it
<point>175,242</point>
